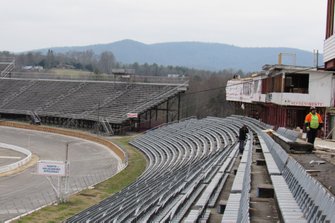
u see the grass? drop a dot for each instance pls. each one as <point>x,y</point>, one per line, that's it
<point>79,74</point>
<point>70,72</point>
<point>87,198</point>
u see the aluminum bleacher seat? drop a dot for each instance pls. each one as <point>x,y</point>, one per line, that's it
<point>290,210</point>
<point>287,134</point>
<point>313,198</point>
<point>85,100</point>
<point>182,157</point>
<point>185,164</point>
<point>237,209</point>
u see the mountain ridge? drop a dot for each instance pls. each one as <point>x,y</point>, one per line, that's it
<point>195,54</point>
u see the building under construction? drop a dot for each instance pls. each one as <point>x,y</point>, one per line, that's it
<point>281,95</point>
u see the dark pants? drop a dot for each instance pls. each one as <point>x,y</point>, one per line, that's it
<point>311,135</point>
<point>241,147</point>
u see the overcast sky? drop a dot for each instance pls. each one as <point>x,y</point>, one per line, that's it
<point>33,24</point>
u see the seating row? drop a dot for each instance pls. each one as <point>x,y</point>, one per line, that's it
<point>87,100</point>
<point>186,160</point>
<point>188,163</point>
<point>301,198</point>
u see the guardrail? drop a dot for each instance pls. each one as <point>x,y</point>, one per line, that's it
<point>15,165</point>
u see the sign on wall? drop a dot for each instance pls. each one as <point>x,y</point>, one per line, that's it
<point>132,115</point>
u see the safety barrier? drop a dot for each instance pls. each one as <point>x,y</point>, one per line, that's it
<point>15,165</point>
<point>21,206</point>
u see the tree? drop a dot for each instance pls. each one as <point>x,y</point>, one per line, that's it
<point>50,60</point>
<point>106,62</point>
<point>6,54</point>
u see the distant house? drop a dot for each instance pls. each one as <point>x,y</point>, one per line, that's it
<point>175,75</point>
<point>32,68</point>
<point>329,44</point>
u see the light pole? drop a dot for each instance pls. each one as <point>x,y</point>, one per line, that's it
<point>67,172</point>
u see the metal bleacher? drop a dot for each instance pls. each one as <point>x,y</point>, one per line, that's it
<point>287,134</point>
<point>85,100</point>
<point>188,164</point>
<point>300,197</point>
<point>237,209</point>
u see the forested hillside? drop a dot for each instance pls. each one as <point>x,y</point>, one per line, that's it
<point>198,55</point>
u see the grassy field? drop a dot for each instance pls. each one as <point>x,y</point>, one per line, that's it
<point>86,198</point>
<point>79,74</point>
<point>70,72</point>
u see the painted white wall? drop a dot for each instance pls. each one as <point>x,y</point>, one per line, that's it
<point>329,49</point>
<point>320,87</point>
<point>234,90</point>
<point>257,95</point>
<point>239,90</point>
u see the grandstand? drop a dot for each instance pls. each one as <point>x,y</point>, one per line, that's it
<point>87,104</point>
<point>188,166</point>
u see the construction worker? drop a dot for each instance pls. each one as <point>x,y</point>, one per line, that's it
<point>313,122</point>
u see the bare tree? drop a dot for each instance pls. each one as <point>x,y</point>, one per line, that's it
<point>106,62</point>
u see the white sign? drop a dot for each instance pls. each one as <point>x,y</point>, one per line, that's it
<point>132,115</point>
<point>51,168</point>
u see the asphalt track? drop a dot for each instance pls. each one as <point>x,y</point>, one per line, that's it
<point>25,191</point>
